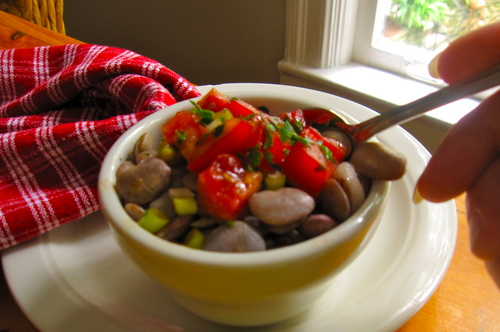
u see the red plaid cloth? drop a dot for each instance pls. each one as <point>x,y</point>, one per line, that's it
<point>61,109</point>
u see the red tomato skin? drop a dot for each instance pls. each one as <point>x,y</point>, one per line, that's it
<point>240,108</point>
<point>187,123</point>
<point>295,117</point>
<point>214,100</point>
<point>339,151</point>
<point>307,169</point>
<point>277,150</point>
<point>224,187</point>
<point>239,135</point>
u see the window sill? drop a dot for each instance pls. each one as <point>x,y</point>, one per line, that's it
<point>380,89</point>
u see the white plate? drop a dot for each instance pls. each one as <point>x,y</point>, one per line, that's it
<point>75,278</point>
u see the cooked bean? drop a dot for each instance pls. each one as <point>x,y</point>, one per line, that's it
<point>124,167</point>
<point>288,238</point>
<point>142,183</point>
<point>282,229</point>
<point>346,175</point>
<point>178,173</point>
<point>190,181</point>
<point>315,225</point>
<point>378,161</point>
<point>203,223</point>
<point>254,222</point>
<point>235,237</point>
<point>281,207</point>
<point>334,201</point>
<point>143,155</point>
<point>176,228</point>
<point>144,143</point>
<point>134,211</point>
<point>340,136</point>
<point>164,204</point>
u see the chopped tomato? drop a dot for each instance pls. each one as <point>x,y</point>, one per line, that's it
<point>288,142</point>
<point>307,168</point>
<point>296,119</point>
<point>184,130</point>
<point>225,186</point>
<point>338,150</point>
<point>242,109</point>
<point>237,137</point>
<point>274,154</point>
<point>199,146</point>
<point>214,100</point>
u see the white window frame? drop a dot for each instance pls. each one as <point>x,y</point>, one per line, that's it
<point>333,33</point>
<point>320,33</point>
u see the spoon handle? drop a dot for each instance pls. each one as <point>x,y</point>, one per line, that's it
<point>401,114</point>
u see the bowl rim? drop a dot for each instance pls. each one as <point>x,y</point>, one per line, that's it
<point>119,220</point>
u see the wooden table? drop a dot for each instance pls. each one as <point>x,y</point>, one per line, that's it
<point>466,300</point>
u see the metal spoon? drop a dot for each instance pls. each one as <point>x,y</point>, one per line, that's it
<point>362,131</point>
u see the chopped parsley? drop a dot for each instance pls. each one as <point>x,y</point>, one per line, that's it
<point>181,136</point>
<point>326,151</point>
<point>206,116</point>
<point>255,156</point>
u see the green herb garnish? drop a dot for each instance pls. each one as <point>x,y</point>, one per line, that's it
<point>255,156</point>
<point>206,116</point>
<point>326,151</point>
<point>181,136</point>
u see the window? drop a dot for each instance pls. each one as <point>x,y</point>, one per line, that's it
<point>404,35</point>
<point>343,47</point>
<point>399,36</point>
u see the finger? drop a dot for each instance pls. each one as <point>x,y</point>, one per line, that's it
<point>483,213</point>
<point>468,148</point>
<point>470,54</point>
<point>493,267</point>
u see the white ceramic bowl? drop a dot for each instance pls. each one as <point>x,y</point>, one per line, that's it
<point>243,289</point>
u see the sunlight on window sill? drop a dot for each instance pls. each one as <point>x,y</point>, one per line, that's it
<point>380,86</point>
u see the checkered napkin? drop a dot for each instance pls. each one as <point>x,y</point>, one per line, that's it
<point>61,109</point>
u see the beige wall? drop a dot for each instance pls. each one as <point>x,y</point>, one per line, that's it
<point>206,41</point>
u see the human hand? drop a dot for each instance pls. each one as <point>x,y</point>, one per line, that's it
<point>468,158</point>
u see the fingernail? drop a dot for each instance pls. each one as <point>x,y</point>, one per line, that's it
<point>417,197</point>
<point>433,67</point>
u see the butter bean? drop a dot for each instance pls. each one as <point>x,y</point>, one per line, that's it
<point>378,161</point>
<point>176,228</point>
<point>334,201</point>
<point>235,237</point>
<point>347,176</point>
<point>145,155</point>
<point>315,225</point>
<point>142,183</point>
<point>144,143</point>
<point>134,211</point>
<point>281,207</point>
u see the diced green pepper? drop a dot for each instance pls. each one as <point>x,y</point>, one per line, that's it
<point>166,152</point>
<point>185,205</point>
<point>275,180</point>
<point>194,239</point>
<point>224,114</point>
<point>153,220</point>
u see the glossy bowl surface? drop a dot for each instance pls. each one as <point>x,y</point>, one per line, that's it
<point>243,289</point>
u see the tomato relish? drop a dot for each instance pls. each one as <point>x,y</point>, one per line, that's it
<point>230,144</point>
